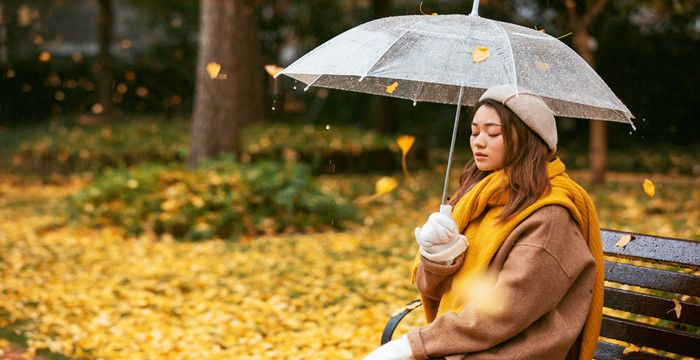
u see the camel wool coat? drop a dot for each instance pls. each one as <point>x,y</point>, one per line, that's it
<point>545,275</point>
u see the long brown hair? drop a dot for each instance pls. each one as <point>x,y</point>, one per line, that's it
<point>525,163</point>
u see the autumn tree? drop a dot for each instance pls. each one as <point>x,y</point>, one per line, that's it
<point>103,64</point>
<point>228,90</point>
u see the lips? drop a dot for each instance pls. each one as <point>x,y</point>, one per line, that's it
<point>479,154</point>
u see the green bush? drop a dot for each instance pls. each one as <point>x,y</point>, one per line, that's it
<point>65,148</point>
<point>221,199</point>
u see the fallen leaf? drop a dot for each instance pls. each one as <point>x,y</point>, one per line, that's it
<point>434,14</point>
<point>273,70</point>
<point>480,54</point>
<point>405,143</point>
<point>390,89</point>
<point>630,348</point>
<point>677,308</point>
<point>213,69</point>
<point>624,240</point>
<point>649,187</point>
<point>542,31</point>
<point>544,67</point>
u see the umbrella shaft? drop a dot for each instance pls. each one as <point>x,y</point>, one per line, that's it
<point>475,8</point>
<point>452,145</point>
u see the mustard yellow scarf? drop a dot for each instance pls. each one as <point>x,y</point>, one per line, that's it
<point>480,208</point>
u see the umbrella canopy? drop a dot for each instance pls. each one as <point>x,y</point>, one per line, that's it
<point>436,59</point>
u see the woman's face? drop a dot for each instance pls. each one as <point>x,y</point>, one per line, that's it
<point>486,139</point>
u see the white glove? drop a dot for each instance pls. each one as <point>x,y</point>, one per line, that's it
<point>439,239</point>
<point>398,349</point>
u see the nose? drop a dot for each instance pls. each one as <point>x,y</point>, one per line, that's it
<point>479,141</point>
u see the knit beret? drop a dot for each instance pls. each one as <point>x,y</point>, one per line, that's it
<point>530,108</point>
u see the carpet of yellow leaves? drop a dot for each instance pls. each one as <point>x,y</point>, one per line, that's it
<point>94,294</point>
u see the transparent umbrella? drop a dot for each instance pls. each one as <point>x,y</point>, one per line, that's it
<point>453,59</point>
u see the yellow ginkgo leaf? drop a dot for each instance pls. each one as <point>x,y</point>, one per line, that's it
<point>385,185</point>
<point>542,31</point>
<point>677,308</point>
<point>544,67</point>
<point>649,187</point>
<point>273,70</point>
<point>624,240</point>
<point>631,348</point>
<point>405,143</point>
<point>480,54</point>
<point>434,14</point>
<point>213,69</point>
<point>390,89</point>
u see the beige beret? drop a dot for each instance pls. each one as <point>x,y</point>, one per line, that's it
<point>530,108</point>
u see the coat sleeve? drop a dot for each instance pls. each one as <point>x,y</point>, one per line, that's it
<point>433,279</point>
<point>530,284</point>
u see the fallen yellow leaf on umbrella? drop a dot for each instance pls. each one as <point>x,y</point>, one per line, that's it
<point>405,143</point>
<point>624,240</point>
<point>213,69</point>
<point>544,67</point>
<point>649,187</point>
<point>631,348</point>
<point>390,89</point>
<point>480,54</point>
<point>273,70</point>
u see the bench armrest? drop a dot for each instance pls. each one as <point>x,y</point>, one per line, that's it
<point>396,318</point>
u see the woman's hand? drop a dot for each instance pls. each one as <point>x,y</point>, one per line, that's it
<point>398,349</point>
<point>439,238</point>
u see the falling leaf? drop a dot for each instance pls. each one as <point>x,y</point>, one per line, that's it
<point>480,54</point>
<point>544,67</point>
<point>273,70</point>
<point>405,142</point>
<point>630,348</point>
<point>649,187</point>
<point>624,240</point>
<point>385,185</point>
<point>677,307</point>
<point>390,89</point>
<point>213,69</point>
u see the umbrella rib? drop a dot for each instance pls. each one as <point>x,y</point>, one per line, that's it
<point>512,57</point>
<point>382,55</point>
<point>312,82</point>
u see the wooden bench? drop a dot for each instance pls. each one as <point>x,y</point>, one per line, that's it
<point>677,279</point>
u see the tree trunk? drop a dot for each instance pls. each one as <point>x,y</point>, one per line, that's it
<point>225,104</point>
<point>597,145</point>
<point>597,140</point>
<point>385,114</point>
<point>103,66</point>
<point>3,36</point>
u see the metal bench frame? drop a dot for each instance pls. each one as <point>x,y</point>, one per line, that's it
<point>681,335</point>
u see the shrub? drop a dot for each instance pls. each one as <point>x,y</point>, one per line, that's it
<point>221,199</point>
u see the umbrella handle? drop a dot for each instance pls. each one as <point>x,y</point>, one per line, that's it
<point>475,8</point>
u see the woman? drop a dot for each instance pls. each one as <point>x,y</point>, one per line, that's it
<point>515,271</point>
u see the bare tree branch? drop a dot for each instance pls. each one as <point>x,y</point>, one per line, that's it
<point>593,12</point>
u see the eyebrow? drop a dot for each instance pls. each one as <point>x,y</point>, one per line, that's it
<point>488,124</point>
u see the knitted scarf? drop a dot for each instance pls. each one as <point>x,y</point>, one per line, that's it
<point>479,210</point>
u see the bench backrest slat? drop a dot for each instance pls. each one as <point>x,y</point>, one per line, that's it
<point>678,252</point>
<point>671,281</point>
<point>682,343</point>
<point>606,350</point>
<point>650,305</point>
